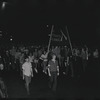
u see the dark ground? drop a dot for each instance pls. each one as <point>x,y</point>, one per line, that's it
<point>87,86</point>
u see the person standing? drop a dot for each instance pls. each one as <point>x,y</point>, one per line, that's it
<point>53,71</point>
<point>35,54</point>
<point>21,59</point>
<point>44,57</point>
<point>66,65</point>
<point>78,63</point>
<point>12,53</point>
<point>17,61</point>
<point>3,88</point>
<point>7,59</point>
<point>31,59</point>
<point>84,59</point>
<point>62,56</point>
<point>96,59</point>
<point>27,73</point>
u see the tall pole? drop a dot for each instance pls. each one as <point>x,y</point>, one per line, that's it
<point>50,37</point>
<point>69,39</point>
<point>63,35</point>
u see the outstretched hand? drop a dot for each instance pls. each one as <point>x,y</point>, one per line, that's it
<point>49,74</point>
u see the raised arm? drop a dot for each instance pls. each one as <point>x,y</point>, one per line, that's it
<point>49,70</point>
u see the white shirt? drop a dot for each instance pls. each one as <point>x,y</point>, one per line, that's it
<point>27,68</point>
<point>44,57</point>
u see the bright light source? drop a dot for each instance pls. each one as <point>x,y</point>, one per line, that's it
<point>3,5</point>
<point>10,39</point>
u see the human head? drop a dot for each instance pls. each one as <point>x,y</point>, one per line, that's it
<point>53,56</point>
<point>96,49</point>
<point>27,59</point>
<point>83,49</point>
<point>44,52</point>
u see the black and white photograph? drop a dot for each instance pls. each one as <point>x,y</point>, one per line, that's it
<point>50,49</point>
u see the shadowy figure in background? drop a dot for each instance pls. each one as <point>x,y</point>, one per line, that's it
<point>3,88</point>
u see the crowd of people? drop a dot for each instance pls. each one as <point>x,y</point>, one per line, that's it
<point>59,60</point>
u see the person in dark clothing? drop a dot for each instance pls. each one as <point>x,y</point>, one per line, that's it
<point>84,59</point>
<point>69,64</point>
<point>53,71</point>
<point>7,60</point>
<point>3,88</point>
<point>96,60</point>
<point>78,65</point>
<point>1,66</point>
<point>62,56</point>
<point>66,65</point>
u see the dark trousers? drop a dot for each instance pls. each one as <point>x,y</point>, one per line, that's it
<point>17,64</point>
<point>67,69</point>
<point>40,68</point>
<point>21,72</point>
<point>53,81</point>
<point>44,66</point>
<point>7,66</point>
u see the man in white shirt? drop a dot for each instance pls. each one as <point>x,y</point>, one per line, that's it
<point>27,73</point>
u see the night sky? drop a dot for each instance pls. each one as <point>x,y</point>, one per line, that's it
<point>27,20</point>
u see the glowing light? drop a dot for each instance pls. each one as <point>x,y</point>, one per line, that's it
<point>3,5</point>
<point>10,39</point>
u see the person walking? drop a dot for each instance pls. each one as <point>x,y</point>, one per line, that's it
<point>84,59</point>
<point>44,57</point>
<point>27,73</point>
<point>53,71</point>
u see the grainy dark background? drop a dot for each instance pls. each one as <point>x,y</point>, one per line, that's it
<point>28,19</point>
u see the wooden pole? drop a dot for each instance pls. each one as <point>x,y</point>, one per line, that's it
<point>69,39</point>
<point>64,35</point>
<point>50,37</point>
